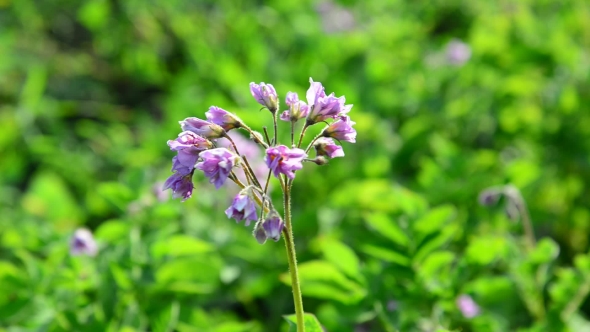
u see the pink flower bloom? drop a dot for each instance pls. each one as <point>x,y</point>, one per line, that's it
<point>217,165</point>
<point>297,109</point>
<point>467,306</point>
<point>181,185</point>
<point>202,128</point>
<point>315,92</point>
<point>325,146</point>
<point>457,52</point>
<point>282,160</point>
<point>188,145</point>
<point>242,208</point>
<point>83,243</point>
<point>223,118</point>
<point>265,95</point>
<point>341,130</point>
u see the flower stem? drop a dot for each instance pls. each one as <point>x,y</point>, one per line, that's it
<point>301,135</point>
<point>292,258</point>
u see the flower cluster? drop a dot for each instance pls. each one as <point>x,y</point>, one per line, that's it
<point>205,145</point>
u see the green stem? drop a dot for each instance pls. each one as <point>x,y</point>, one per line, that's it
<point>301,135</point>
<point>292,258</point>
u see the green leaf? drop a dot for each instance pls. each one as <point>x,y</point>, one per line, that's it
<point>180,245</point>
<point>323,280</point>
<point>385,254</point>
<point>113,231</point>
<point>387,227</point>
<point>310,322</point>
<point>434,221</point>
<point>341,256</point>
<point>545,251</point>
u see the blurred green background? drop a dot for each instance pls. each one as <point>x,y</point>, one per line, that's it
<point>451,97</point>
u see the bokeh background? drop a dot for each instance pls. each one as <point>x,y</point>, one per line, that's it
<point>450,98</point>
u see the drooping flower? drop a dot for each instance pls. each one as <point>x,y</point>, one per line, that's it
<point>490,196</point>
<point>265,95</point>
<point>223,118</point>
<point>188,145</point>
<point>83,243</point>
<point>282,160</point>
<point>467,306</point>
<point>202,128</point>
<point>242,208</point>
<point>181,185</point>
<point>341,129</point>
<point>325,146</point>
<point>273,225</point>
<point>217,164</point>
<point>297,109</point>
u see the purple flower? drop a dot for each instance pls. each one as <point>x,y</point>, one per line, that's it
<point>326,108</point>
<point>273,225</point>
<point>467,306</point>
<point>181,185</point>
<point>265,95</point>
<point>223,118</point>
<point>202,128</point>
<point>325,146</point>
<point>188,145</point>
<point>217,164</point>
<point>242,208</point>
<point>457,52</point>
<point>83,243</point>
<point>281,159</point>
<point>315,92</point>
<point>341,130</point>
<point>297,109</point>
<point>159,192</point>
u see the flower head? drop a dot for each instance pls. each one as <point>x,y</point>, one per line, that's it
<point>490,196</point>
<point>217,164</point>
<point>281,159</point>
<point>259,232</point>
<point>297,109</point>
<point>325,146</point>
<point>314,93</point>
<point>328,107</point>
<point>187,140</point>
<point>83,243</point>
<point>181,185</point>
<point>242,208</point>
<point>341,129</point>
<point>273,225</point>
<point>467,306</point>
<point>265,95</point>
<point>202,128</point>
<point>223,118</point>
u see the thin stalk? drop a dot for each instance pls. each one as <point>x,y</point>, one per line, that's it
<point>292,134</point>
<point>274,122</point>
<point>527,225</point>
<point>255,137</point>
<point>252,175</point>
<point>301,135</point>
<point>292,258</point>
<point>313,141</point>
<point>266,135</point>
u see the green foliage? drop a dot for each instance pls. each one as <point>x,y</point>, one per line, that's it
<point>388,237</point>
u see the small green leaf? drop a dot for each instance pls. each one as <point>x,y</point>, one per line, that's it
<point>387,227</point>
<point>435,220</point>
<point>113,231</point>
<point>341,256</point>
<point>310,322</point>
<point>180,245</point>
<point>385,254</point>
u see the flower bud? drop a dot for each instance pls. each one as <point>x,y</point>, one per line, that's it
<point>489,197</point>
<point>223,118</point>
<point>265,95</point>
<point>202,128</point>
<point>319,160</point>
<point>325,146</point>
<point>273,225</point>
<point>83,243</point>
<point>259,232</point>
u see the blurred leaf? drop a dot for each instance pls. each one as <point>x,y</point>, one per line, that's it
<point>113,231</point>
<point>180,245</point>
<point>385,226</point>
<point>309,320</point>
<point>434,220</point>
<point>385,254</point>
<point>342,256</point>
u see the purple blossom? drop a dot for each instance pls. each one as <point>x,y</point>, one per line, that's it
<point>297,109</point>
<point>489,197</point>
<point>273,225</point>
<point>315,92</point>
<point>83,243</point>
<point>223,118</point>
<point>326,108</point>
<point>281,159</point>
<point>341,129</point>
<point>265,95</point>
<point>181,185</point>
<point>467,306</point>
<point>159,192</point>
<point>202,128</point>
<point>325,146</point>
<point>251,151</point>
<point>457,52</point>
<point>188,145</point>
<point>217,165</point>
<point>242,208</point>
